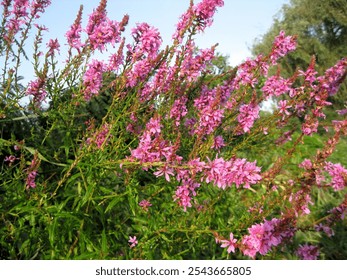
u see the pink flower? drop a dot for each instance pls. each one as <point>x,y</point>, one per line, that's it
<point>218,142</point>
<point>238,171</point>
<point>281,46</point>
<point>282,106</point>
<point>145,204</point>
<point>306,164</point>
<point>248,114</point>
<point>338,175</point>
<point>276,86</point>
<point>230,244</point>
<point>92,79</point>
<point>179,110</point>
<point>326,229</point>
<point>53,46</point>
<point>147,39</point>
<point>184,193</point>
<point>73,35</point>
<point>308,252</point>
<point>10,158</point>
<point>166,171</point>
<point>37,90</point>
<point>133,242</point>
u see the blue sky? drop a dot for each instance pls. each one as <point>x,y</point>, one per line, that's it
<point>235,27</point>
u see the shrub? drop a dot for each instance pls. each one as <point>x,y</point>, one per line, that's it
<point>152,155</point>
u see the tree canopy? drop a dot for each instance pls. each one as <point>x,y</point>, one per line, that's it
<point>321,27</point>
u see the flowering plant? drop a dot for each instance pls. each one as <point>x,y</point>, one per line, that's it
<point>152,144</point>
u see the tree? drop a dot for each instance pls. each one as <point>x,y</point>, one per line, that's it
<point>321,27</point>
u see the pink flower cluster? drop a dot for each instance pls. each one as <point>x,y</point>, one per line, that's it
<point>202,13</point>
<point>308,252</point>
<point>263,236</point>
<point>179,110</point>
<point>195,62</point>
<point>185,192</point>
<point>333,77</point>
<point>145,204</point>
<point>205,10</point>
<point>235,171</point>
<point>147,39</point>
<point>338,175</point>
<point>32,173</point>
<point>100,29</point>
<point>92,79</point>
<point>300,201</point>
<point>248,114</point>
<point>276,86</point>
<point>281,46</point>
<point>73,35</point>
<point>37,90</point>
<point>153,148</point>
<point>102,135</point>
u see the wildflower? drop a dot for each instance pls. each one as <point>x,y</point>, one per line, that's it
<point>326,229</point>
<point>282,106</point>
<point>179,110</point>
<point>148,41</point>
<point>218,142</point>
<point>184,194</point>
<point>306,164</point>
<point>53,46</point>
<point>276,86</point>
<point>145,204</point>
<point>308,252</point>
<point>92,79</point>
<point>133,241</point>
<point>10,158</point>
<point>166,171</point>
<point>36,88</point>
<point>238,171</point>
<point>281,46</point>
<point>230,244</point>
<point>248,114</point>
<point>338,175</point>
<point>73,35</point>
<point>39,6</point>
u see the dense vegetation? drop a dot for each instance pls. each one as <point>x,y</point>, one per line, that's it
<point>163,152</point>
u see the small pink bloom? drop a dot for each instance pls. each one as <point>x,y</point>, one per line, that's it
<point>133,241</point>
<point>230,244</point>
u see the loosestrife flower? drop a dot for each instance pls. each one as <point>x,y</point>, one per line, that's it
<point>338,175</point>
<point>326,229</point>
<point>148,41</point>
<point>133,241</point>
<point>218,142</point>
<point>73,35</point>
<point>281,46</point>
<point>308,252</point>
<point>11,159</point>
<point>37,89</point>
<point>276,86</point>
<point>145,204</point>
<point>265,235</point>
<point>184,193</point>
<point>92,79</point>
<point>248,114</point>
<point>53,46</point>
<point>236,171</point>
<point>203,13</point>
<point>230,244</point>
